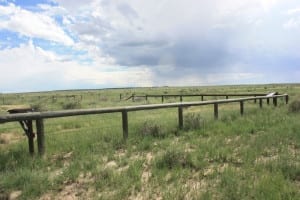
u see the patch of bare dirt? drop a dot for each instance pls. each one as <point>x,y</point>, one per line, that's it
<point>80,189</point>
<point>9,138</point>
<point>144,193</point>
<point>15,195</point>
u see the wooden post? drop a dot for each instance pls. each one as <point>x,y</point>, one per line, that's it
<point>254,100</point>
<point>133,97</point>
<point>125,124</point>
<point>120,97</point>
<point>226,96</point>
<point>30,137</point>
<point>180,117</point>
<point>260,103</point>
<point>287,99</point>
<point>162,98</point>
<point>242,107</point>
<point>40,136</point>
<point>202,98</point>
<point>216,114</point>
<point>275,101</point>
<point>180,98</point>
<point>146,97</point>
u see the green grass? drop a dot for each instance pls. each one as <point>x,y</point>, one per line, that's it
<point>255,156</point>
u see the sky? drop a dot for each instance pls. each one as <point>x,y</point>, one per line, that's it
<point>64,44</point>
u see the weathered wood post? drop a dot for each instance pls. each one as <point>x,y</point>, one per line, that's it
<point>125,124</point>
<point>268,101</point>
<point>162,98</point>
<point>275,101</point>
<point>287,99</point>
<point>202,98</point>
<point>180,98</point>
<point>226,96</point>
<point>180,117</point>
<point>30,137</point>
<point>260,103</point>
<point>242,107</point>
<point>146,97</point>
<point>40,136</point>
<point>216,113</point>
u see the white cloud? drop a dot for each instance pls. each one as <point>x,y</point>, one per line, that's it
<point>32,24</point>
<point>292,23</point>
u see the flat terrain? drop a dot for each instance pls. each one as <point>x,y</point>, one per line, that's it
<point>255,156</point>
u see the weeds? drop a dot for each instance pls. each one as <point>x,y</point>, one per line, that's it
<point>193,121</point>
<point>71,105</point>
<point>294,107</point>
<point>151,129</point>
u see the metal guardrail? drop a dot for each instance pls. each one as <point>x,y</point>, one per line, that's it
<point>40,116</point>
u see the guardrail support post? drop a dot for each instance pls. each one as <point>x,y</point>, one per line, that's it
<point>216,114</point>
<point>241,107</point>
<point>202,98</point>
<point>275,101</point>
<point>125,124</point>
<point>30,137</point>
<point>260,103</point>
<point>180,117</point>
<point>40,136</point>
<point>287,99</point>
<point>180,98</point>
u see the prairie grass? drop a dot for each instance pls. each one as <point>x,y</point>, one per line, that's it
<point>254,156</point>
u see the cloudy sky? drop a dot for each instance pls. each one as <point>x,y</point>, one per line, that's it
<point>75,44</point>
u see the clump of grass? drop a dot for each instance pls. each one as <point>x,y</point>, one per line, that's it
<point>71,105</point>
<point>193,121</point>
<point>294,107</point>
<point>175,159</point>
<point>151,129</point>
<point>38,107</point>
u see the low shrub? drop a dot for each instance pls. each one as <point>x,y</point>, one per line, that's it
<point>294,107</point>
<point>151,129</point>
<point>175,158</point>
<point>193,121</point>
<point>71,105</point>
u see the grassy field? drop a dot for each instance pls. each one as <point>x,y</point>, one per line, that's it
<point>256,156</point>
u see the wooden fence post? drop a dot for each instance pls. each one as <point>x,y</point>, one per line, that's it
<point>120,97</point>
<point>162,98</point>
<point>146,97</point>
<point>268,101</point>
<point>180,98</point>
<point>275,101</point>
<point>242,107</point>
<point>125,124</point>
<point>254,100</point>
<point>260,103</point>
<point>226,96</point>
<point>180,117</point>
<point>202,98</point>
<point>40,136</point>
<point>216,113</point>
<point>133,97</point>
<point>30,137</point>
<point>287,99</point>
